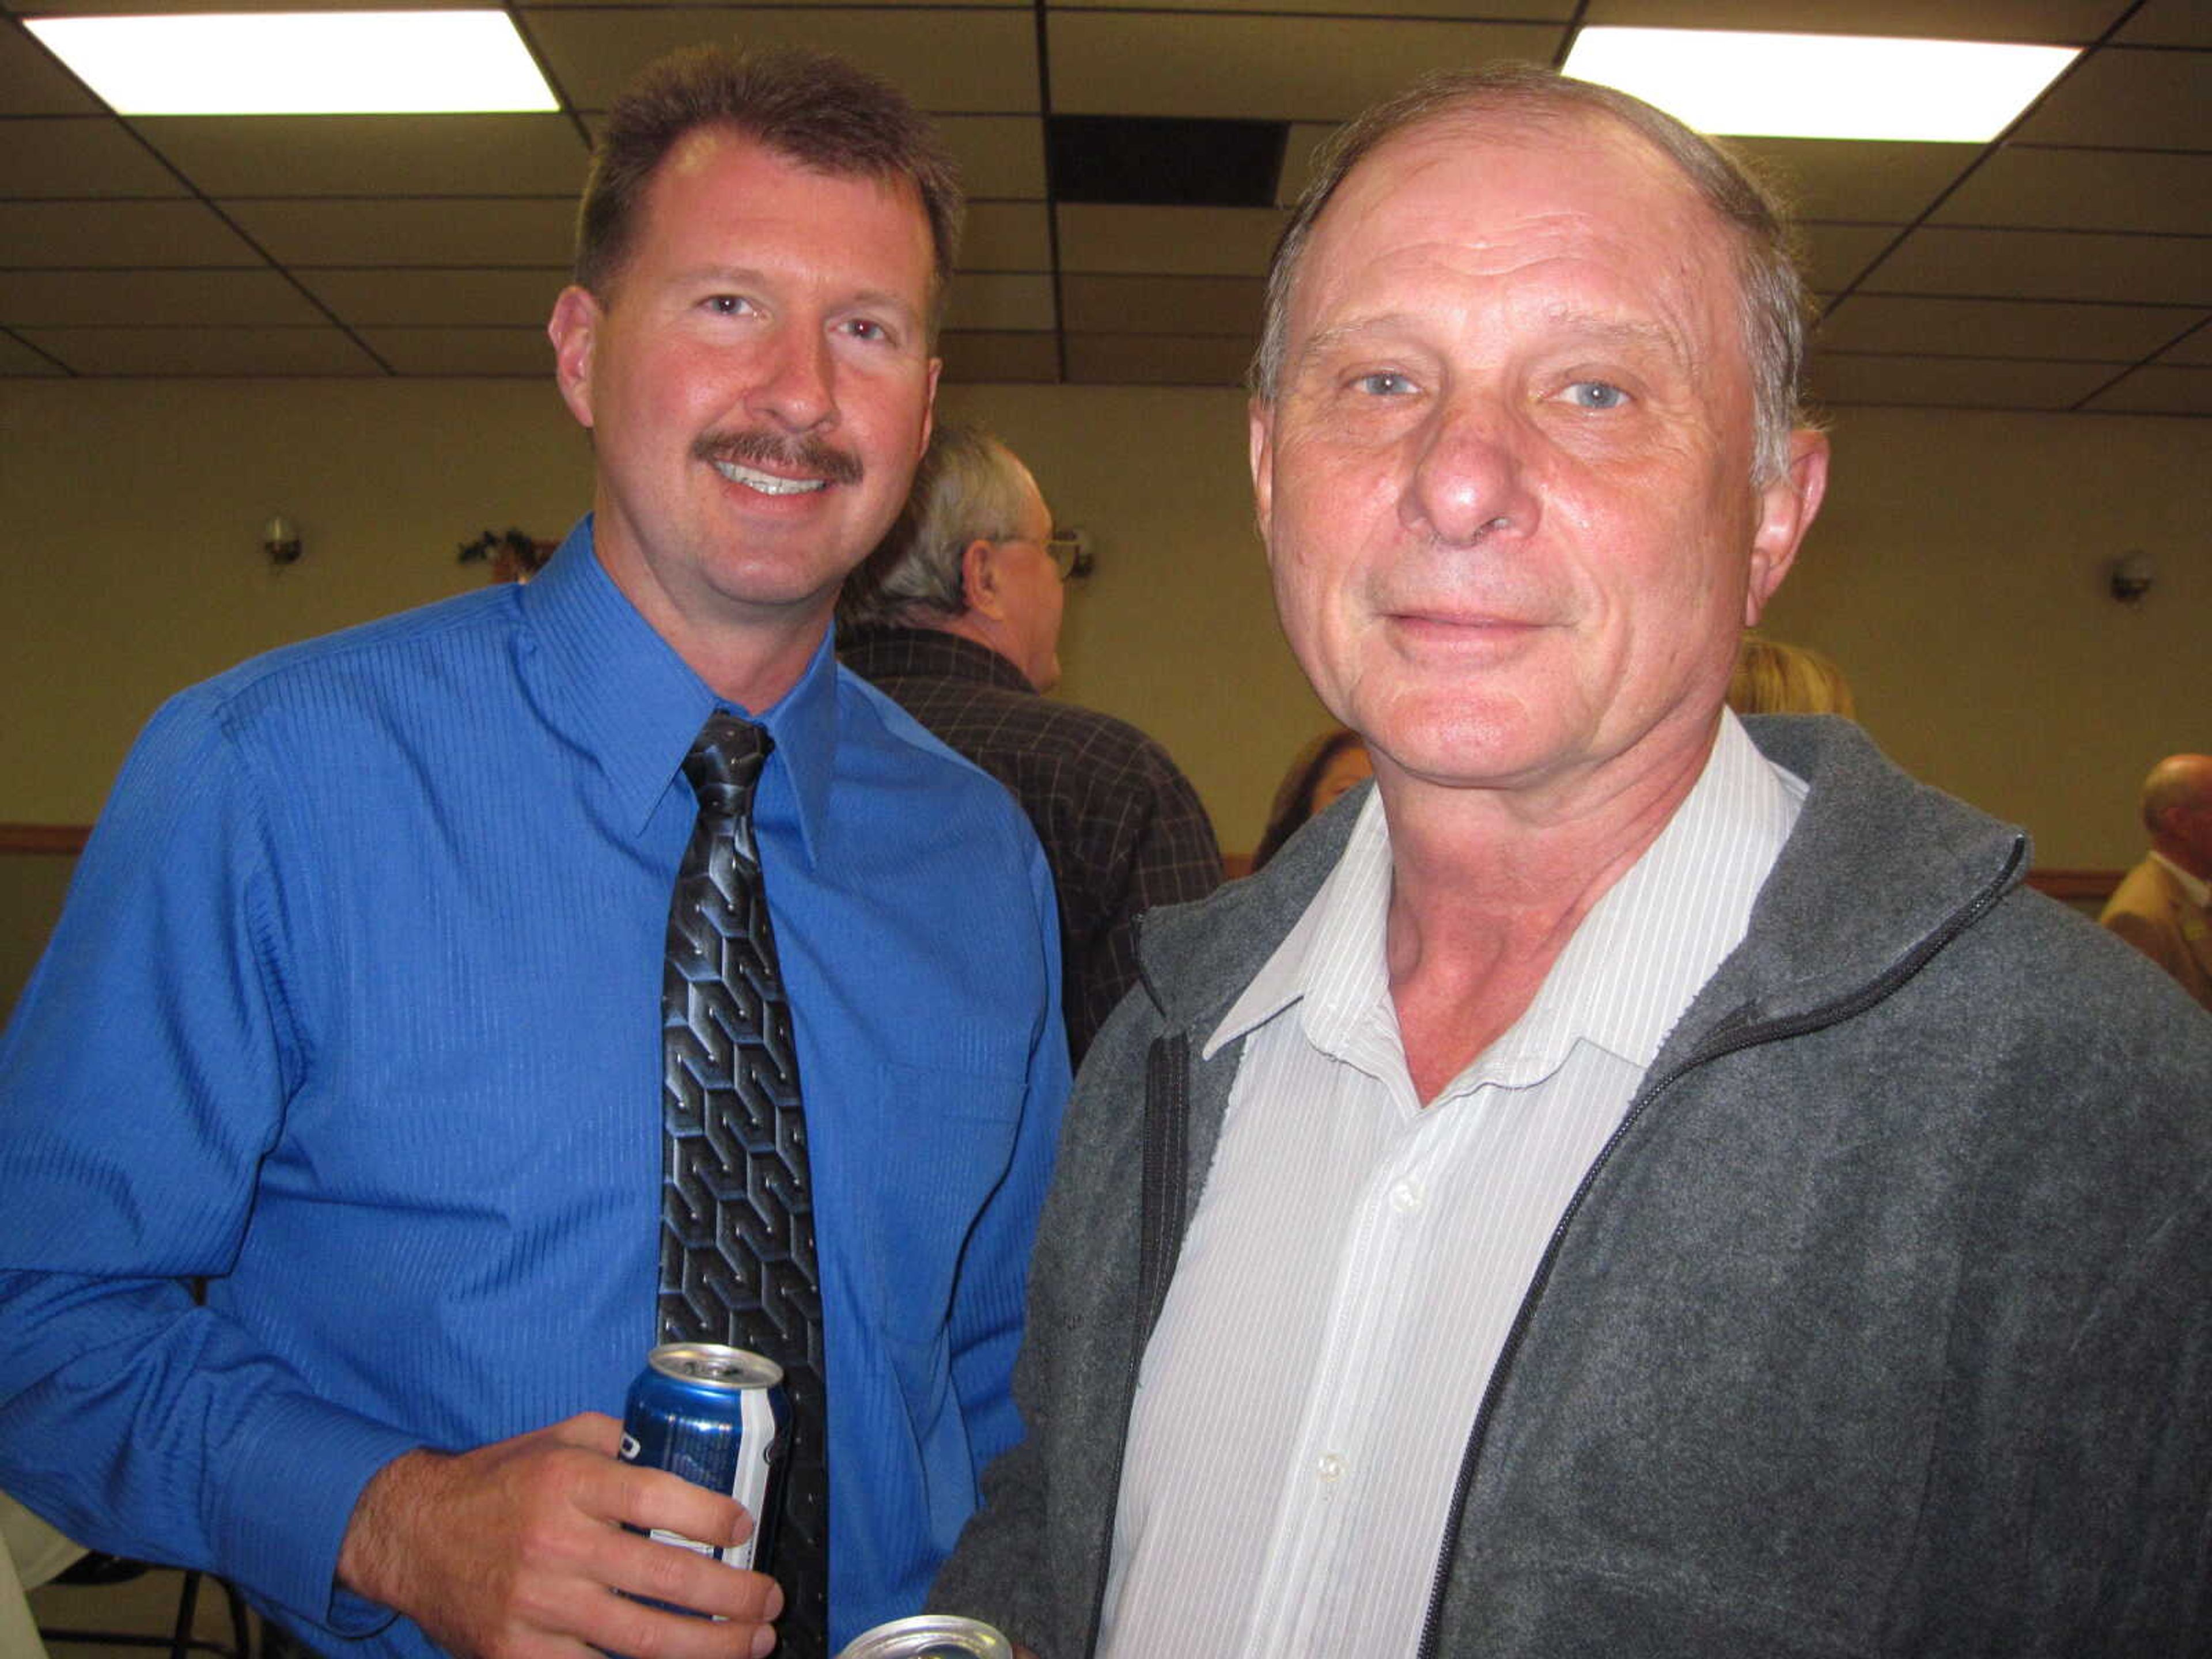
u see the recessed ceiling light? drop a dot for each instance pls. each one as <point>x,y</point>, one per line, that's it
<point>322,63</point>
<point>1822,86</point>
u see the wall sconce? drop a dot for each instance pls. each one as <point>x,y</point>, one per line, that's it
<point>280,540</point>
<point>2132,573</point>
<point>1073,549</point>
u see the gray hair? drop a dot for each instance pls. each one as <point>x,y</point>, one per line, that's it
<point>968,487</point>
<point>1772,301</point>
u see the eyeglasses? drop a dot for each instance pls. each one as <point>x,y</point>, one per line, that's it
<point>1066,550</point>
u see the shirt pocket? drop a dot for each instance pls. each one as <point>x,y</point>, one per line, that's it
<point>941,1140</point>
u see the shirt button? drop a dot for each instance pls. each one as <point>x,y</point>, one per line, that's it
<point>1328,1465</point>
<point>1405,1198</point>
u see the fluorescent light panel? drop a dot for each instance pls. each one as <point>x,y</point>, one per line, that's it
<point>322,62</point>
<point>1822,86</point>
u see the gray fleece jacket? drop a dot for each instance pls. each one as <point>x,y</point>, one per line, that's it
<point>1882,1326</point>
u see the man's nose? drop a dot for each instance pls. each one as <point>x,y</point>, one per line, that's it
<point>1469,476</point>
<point>797,385</point>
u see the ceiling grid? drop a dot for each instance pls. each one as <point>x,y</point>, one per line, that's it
<point>2067,266</point>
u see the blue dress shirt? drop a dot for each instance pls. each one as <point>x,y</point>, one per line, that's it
<point>353,1012</point>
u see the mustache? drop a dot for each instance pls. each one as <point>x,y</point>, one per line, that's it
<point>756,448</point>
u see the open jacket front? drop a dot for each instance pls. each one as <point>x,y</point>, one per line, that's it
<point>1882,1326</point>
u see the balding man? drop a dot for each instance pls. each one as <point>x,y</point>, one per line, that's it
<point>957,616</point>
<point>2161,907</point>
<point>1630,1182</point>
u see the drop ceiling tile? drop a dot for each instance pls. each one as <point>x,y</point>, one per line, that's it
<point>17,360</point>
<point>205,351</point>
<point>999,155</point>
<point>2169,23</point>
<point>1300,146</point>
<point>1164,304</point>
<point>60,298</point>
<point>2049,265</point>
<point>401,298</point>
<point>2194,347</point>
<point>2074,21</point>
<point>2128,96</point>
<point>1002,304</point>
<point>1954,382</point>
<point>373,155</point>
<point>1268,69</point>
<point>2158,389</point>
<point>431,231</point>
<point>2086,189</point>
<point>464,353</point>
<point>32,83</point>
<point>1155,360</point>
<point>957,60</point>
<point>972,358</point>
<point>1006,236</point>
<point>1168,240</point>
<point>1834,254</point>
<point>117,235</point>
<point>2001,328</point>
<point>78,157</point>
<point>1880,182</point>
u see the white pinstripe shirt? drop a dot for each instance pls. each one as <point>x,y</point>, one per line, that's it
<point>1353,1265</point>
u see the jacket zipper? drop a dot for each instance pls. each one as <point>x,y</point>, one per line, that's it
<point>1734,1043</point>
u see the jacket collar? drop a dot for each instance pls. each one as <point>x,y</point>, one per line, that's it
<point>1877,869</point>
<point>623,694</point>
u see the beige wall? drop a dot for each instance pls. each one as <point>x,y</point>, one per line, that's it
<point>1957,575</point>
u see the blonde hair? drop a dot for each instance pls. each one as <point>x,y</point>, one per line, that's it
<point>1772,677</point>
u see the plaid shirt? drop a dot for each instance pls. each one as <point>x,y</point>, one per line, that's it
<point>1122,828</point>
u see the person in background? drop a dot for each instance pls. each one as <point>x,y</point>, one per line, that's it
<point>2163,906</point>
<point>1326,769</point>
<point>958,616</point>
<point>370,1009</point>
<point>1774,677</point>
<point>1634,1185</point>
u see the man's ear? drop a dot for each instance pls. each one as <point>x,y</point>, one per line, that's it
<point>1787,508</point>
<point>979,580</point>
<point>574,329</point>
<point>1262,436</point>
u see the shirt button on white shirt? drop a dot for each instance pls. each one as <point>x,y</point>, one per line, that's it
<point>1407,1197</point>
<point>1328,1465</point>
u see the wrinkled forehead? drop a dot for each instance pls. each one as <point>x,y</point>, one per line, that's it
<point>1559,194</point>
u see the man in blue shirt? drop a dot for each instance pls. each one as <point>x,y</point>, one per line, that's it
<point>354,1012</point>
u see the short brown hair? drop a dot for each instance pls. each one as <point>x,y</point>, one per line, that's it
<point>1773,302</point>
<point>813,109</point>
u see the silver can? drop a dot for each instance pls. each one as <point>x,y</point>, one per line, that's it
<point>930,1636</point>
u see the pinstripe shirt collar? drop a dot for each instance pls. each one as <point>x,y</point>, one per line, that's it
<point>1640,956</point>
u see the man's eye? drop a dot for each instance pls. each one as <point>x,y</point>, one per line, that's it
<point>1595,394</point>
<point>728,304</point>
<point>863,328</point>
<point>1384,383</point>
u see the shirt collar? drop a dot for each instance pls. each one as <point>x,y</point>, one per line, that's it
<point>2196,888</point>
<point>1635,963</point>
<point>623,693</point>
<point>885,653</point>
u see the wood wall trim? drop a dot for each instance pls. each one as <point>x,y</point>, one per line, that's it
<point>2074,884</point>
<point>44,838</point>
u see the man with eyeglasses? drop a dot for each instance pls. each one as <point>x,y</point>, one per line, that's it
<point>957,616</point>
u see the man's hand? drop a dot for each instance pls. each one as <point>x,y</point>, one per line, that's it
<point>514,1551</point>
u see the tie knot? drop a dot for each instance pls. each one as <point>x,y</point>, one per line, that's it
<point>724,764</point>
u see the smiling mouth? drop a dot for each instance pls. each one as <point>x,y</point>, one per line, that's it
<point>767,483</point>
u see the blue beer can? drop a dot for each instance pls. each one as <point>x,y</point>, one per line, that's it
<point>718,1416</point>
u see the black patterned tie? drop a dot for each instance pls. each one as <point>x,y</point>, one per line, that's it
<point>737,1234</point>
